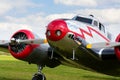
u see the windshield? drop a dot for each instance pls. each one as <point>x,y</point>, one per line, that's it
<point>82,19</point>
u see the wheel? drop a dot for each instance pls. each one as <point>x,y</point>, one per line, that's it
<point>39,77</point>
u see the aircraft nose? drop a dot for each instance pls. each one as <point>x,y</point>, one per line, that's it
<point>56,30</point>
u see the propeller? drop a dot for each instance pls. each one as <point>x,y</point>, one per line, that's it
<point>30,41</point>
<point>19,41</point>
<point>14,41</point>
<point>18,45</point>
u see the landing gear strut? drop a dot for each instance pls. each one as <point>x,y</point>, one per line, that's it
<point>39,75</point>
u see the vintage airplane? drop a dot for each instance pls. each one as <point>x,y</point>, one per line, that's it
<point>81,42</point>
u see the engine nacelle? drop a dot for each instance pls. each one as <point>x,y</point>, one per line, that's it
<point>32,53</point>
<point>117,49</point>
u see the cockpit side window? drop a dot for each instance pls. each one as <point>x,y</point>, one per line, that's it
<point>101,27</point>
<point>95,23</point>
<point>85,20</point>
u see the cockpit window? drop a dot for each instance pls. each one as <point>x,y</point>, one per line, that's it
<point>90,20</point>
<point>82,19</point>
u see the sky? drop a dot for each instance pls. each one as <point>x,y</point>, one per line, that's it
<point>36,14</point>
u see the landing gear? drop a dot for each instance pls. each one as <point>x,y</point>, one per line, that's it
<point>39,75</point>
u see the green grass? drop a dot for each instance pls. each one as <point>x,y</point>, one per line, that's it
<point>12,69</point>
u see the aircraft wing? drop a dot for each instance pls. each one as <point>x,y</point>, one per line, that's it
<point>4,45</point>
<point>103,45</point>
<point>3,42</point>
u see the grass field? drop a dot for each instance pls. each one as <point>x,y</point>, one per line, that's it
<point>12,69</point>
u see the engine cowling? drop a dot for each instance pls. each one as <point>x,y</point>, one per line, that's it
<point>117,49</point>
<point>22,50</point>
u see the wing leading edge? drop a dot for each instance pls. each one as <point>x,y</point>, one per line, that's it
<point>103,45</point>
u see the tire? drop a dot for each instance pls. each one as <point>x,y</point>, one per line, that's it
<point>39,77</point>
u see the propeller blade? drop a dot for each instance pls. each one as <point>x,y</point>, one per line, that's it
<point>32,41</point>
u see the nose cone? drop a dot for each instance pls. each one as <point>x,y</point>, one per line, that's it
<point>56,30</point>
